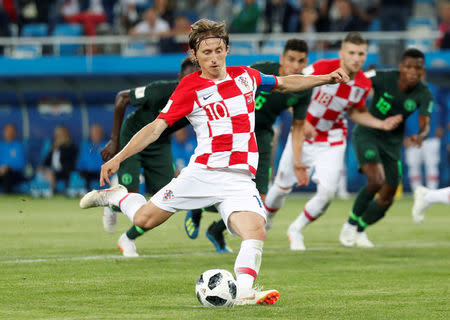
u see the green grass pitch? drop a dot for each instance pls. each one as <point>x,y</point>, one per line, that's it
<point>56,262</point>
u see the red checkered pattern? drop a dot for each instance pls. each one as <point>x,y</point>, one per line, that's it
<point>326,111</point>
<point>223,116</point>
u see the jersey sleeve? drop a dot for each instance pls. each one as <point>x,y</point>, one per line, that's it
<point>426,104</point>
<point>264,82</point>
<point>140,96</point>
<point>362,103</point>
<point>301,105</point>
<point>180,104</point>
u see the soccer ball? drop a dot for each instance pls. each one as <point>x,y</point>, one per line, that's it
<point>216,288</point>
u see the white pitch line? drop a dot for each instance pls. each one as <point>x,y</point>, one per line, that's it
<point>272,250</point>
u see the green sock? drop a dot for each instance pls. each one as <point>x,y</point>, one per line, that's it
<point>360,205</point>
<point>135,232</point>
<point>373,213</point>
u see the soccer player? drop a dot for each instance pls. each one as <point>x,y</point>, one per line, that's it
<point>268,106</point>
<point>156,159</point>
<point>424,197</point>
<point>378,152</point>
<point>219,103</point>
<point>326,121</point>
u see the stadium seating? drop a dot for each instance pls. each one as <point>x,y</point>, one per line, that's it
<point>67,30</point>
<point>31,50</point>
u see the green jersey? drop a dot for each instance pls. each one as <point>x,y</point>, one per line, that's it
<point>150,100</point>
<point>269,105</point>
<point>388,101</point>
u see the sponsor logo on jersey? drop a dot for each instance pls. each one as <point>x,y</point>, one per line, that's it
<point>387,95</point>
<point>410,105</point>
<point>208,96</point>
<point>168,194</point>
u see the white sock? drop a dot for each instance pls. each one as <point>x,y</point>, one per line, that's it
<point>276,197</point>
<point>301,222</point>
<point>438,196</point>
<point>131,203</point>
<point>247,264</point>
<point>314,208</point>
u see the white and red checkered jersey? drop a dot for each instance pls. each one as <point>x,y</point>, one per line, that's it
<point>326,111</point>
<point>223,116</point>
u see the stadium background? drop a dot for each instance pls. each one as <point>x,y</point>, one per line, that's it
<point>53,74</point>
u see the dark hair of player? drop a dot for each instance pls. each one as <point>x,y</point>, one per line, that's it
<point>296,45</point>
<point>413,53</point>
<point>206,29</point>
<point>187,62</point>
<point>355,38</point>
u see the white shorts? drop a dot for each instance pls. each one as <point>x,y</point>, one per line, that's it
<point>325,162</point>
<point>195,188</point>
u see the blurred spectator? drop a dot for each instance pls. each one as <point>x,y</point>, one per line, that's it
<point>7,15</point>
<point>323,22</point>
<point>444,25</point>
<point>183,146</point>
<point>89,13</point>
<point>152,24</point>
<point>165,9</point>
<point>12,159</point>
<point>168,42</point>
<point>60,161</point>
<point>129,13</point>
<point>246,21</point>
<point>307,25</point>
<point>280,16</point>
<point>32,11</point>
<point>345,20</point>
<point>394,14</point>
<point>365,10</point>
<point>90,160</point>
<point>217,10</point>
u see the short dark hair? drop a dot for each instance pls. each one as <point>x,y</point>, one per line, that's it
<point>205,29</point>
<point>296,45</point>
<point>413,53</point>
<point>187,62</point>
<point>355,38</point>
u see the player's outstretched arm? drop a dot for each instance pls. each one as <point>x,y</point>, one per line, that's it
<point>147,135</point>
<point>298,137</point>
<point>295,83</point>
<point>112,147</point>
<point>363,117</point>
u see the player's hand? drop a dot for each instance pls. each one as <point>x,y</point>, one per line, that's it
<point>415,140</point>
<point>338,76</point>
<point>110,150</point>
<point>309,131</point>
<point>391,123</point>
<point>107,170</point>
<point>300,170</point>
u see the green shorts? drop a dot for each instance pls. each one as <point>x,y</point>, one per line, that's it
<point>263,173</point>
<point>156,162</point>
<point>371,149</point>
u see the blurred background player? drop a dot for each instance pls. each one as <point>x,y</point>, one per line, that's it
<point>325,121</point>
<point>424,197</point>
<point>268,106</point>
<point>155,160</point>
<point>427,155</point>
<point>12,159</point>
<point>183,145</point>
<point>396,92</point>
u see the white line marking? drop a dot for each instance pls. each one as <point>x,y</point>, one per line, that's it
<point>272,250</point>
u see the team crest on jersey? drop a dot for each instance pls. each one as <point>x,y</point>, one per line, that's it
<point>244,82</point>
<point>410,105</point>
<point>168,194</point>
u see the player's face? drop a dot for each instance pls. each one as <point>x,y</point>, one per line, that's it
<point>353,56</point>
<point>292,62</point>
<point>411,70</point>
<point>211,56</point>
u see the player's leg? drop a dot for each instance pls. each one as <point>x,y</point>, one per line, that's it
<point>328,164</point>
<point>282,186</point>
<point>413,158</point>
<point>431,153</point>
<point>424,197</point>
<point>367,153</point>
